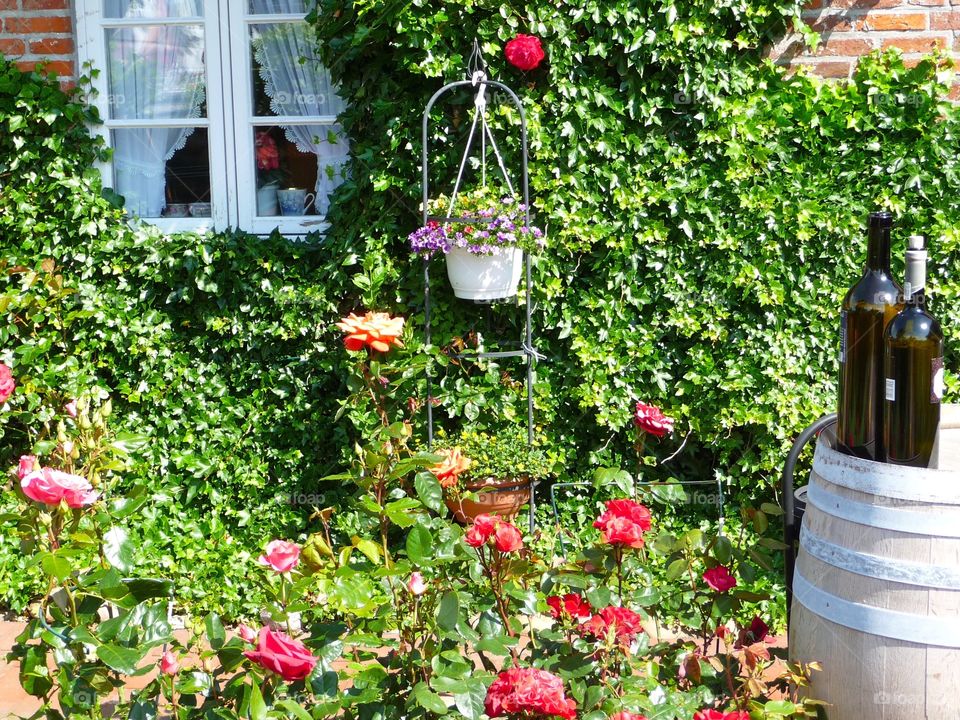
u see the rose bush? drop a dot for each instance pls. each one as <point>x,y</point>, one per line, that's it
<point>425,618</point>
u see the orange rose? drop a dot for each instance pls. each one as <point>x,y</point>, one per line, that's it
<point>450,468</point>
<point>376,330</point>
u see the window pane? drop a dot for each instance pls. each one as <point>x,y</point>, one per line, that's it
<point>287,76</point>
<point>268,7</point>
<point>162,172</point>
<point>310,159</point>
<point>152,8</point>
<point>155,72</point>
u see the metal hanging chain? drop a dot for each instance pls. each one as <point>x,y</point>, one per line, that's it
<point>478,76</point>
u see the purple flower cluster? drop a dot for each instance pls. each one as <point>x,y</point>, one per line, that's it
<point>496,233</point>
<point>429,239</point>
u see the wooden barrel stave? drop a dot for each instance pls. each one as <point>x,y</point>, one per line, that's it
<point>879,568</point>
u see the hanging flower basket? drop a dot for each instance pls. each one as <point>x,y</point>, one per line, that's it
<point>484,243</point>
<point>484,277</point>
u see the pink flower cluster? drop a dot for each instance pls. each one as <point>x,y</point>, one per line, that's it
<point>490,529</point>
<point>50,487</point>
<point>623,523</point>
<point>7,383</point>
<point>528,691</point>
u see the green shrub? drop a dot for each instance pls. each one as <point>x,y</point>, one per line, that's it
<point>213,348</point>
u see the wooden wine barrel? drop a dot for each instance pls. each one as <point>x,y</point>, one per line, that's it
<point>876,589</point>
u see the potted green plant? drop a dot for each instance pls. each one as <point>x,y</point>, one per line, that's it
<point>488,473</point>
<point>484,244</point>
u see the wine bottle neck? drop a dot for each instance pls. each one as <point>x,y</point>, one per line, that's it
<point>878,249</point>
<point>915,276</point>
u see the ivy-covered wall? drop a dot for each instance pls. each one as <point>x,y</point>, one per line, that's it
<point>215,351</point>
<point>705,209</point>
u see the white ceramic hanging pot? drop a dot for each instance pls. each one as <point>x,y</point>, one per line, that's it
<point>484,277</point>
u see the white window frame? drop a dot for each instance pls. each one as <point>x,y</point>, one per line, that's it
<point>229,119</point>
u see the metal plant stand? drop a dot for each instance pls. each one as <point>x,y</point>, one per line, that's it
<point>479,123</point>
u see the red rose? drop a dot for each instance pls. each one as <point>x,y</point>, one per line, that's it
<point>570,605</point>
<point>651,419</point>
<point>507,538</point>
<point>524,52</point>
<point>7,383</point>
<point>719,578</point>
<point>483,528</point>
<point>624,715</point>
<point>710,714</point>
<point>756,632</point>
<point>623,623</point>
<point>288,658</point>
<point>525,691</point>
<point>737,715</point>
<point>623,523</point>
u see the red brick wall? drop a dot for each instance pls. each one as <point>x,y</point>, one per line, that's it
<point>32,31</point>
<point>850,28</point>
<point>35,30</point>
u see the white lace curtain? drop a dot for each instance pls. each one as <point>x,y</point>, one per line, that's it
<point>298,85</point>
<point>155,73</point>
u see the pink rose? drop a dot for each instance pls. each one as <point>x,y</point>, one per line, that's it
<point>247,634</point>
<point>50,486</point>
<point>168,664</point>
<point>7,383</point>
<point>415,584</point>
<point>524,52</point>
<point>279,653</point>
<point>507,538</point>
<point>281,555</point>
<point>71,408</point>
<point>624,715</point>
<point>720,579</point>
<point>651,419</point>
<point>28,463</point>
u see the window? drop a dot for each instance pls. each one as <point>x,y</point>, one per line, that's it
<point>218,112</point>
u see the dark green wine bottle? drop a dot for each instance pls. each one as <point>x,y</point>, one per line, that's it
<point>867,308</point>
<point>913,367</point>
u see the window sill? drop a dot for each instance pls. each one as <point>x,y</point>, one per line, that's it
<point>260,226</point>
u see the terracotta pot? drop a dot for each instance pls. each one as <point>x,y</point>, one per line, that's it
<point>494,496</point>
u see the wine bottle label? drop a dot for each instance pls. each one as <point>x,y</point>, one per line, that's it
<point>843,336</point>
<point>891,389</point>
<point>936,383</point>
